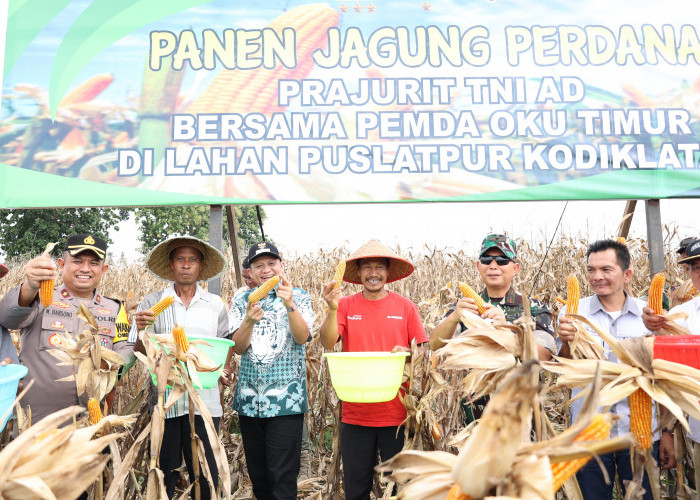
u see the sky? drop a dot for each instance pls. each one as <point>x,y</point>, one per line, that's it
<point>306,229</point>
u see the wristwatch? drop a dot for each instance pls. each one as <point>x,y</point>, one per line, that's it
<point>293,308</point>
<point>668,429</point>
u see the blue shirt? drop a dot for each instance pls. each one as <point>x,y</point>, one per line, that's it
<point>272,373</point>
<point>627,325</point>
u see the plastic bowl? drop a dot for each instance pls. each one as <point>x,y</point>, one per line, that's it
<point>216,351</point>
<point>9,380</point>
<point>366,377</point>
<point>684,349</point>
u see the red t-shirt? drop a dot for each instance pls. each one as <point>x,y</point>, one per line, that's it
<point>377,325</point>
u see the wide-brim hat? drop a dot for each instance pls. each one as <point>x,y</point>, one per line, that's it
<point>158,260</point>
<point>398,267</point>
<point>692,252</point>
<point>684,244</point>
<point>3,270</point>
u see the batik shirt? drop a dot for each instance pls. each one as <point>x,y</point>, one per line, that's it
<point>272,373</point>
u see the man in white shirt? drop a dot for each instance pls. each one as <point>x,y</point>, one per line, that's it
<point>608,271</point>
<point>186,261</point>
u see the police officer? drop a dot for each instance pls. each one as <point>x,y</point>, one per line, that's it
<point>82,266</point>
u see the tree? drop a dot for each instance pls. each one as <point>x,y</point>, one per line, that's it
<point>159,223</point>
<point>27,231</point>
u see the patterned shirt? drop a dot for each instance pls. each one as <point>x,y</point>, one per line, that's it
<point>272,373</point>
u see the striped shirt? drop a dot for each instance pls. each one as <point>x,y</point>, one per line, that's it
<point>205,316</point>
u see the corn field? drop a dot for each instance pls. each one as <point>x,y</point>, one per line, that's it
<point>433,287</point>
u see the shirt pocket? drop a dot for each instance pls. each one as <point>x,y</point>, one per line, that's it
<point>53,329</point>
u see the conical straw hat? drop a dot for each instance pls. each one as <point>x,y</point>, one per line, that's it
<point>398,268</point>
<point>158,261</point>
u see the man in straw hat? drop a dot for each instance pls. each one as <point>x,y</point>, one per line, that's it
<point>185,261</point>
<point>270,395</point>
<point>374,319</point>
<point>691,308</point>
<point>8,352</point>
<point>82,266</point>
<point>608,270</point>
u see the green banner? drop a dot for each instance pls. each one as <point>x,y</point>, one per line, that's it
<point>154,102</point>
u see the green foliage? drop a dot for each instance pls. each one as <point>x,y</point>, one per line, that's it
<point>27,231</point>
<point>159,223</point>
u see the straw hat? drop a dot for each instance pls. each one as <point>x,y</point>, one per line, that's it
<point>3,270</point>
<point>158,261</point>
<point>398,268</point>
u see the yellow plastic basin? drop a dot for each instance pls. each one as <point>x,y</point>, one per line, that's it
<point>366,377</point>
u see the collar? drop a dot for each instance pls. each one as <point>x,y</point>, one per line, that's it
<point>199,294</point>
<point>512,298</point>
<point>630,306</point>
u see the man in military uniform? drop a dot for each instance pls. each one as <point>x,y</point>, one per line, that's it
<point>82,266</point>
<point>497,266</point>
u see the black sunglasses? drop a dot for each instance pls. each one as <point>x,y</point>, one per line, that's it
<point>500,260</point>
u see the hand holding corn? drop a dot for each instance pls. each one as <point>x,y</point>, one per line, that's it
<point>567,329</point>
<point>41,268</point>
<point>331,294</point>
<point>284,292</point>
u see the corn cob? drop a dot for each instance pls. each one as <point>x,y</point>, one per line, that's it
<point>181,338</point>
<point>573,294</point>
<point>640,418</point>
<point>339,273</point>
<point>455,493</point>
<point>469,292</point>
<point>162,305</point>
<point>691,293</point>
<point>255,91</point>
<point>88,90</point>
<point>46,286</point>
<point>656,292</point>
<point>94,410</point>
<point>263,290</point>
<point>622,239</point>
<point>435,429</point>
<point>560,300</point>
<point>597,430</point>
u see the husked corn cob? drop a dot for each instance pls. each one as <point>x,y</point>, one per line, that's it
<point>88,90</point>
<point>656,292</point>
<point>181,338</point>
<point>339,273</point>
<point>691,293</point>
<point>597,430</point>
<point>435,429</point>
<point>640,418</point>
<point>94,410</point>
<point>622,239</point>
<point>455,493</point>
<point>255,91</point>
<point>573,294</point>
<point>263,290</point>
<point>162,305</point>
<point>560,300</point>
<point>46,286</point>
<point>469,292</point>
<point>46,292</point>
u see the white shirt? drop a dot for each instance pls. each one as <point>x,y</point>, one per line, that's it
<point>626,325</point>
<point>692,323</point>
<point>205,316</point>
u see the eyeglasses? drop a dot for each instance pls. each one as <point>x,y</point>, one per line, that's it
<point>500,260</point>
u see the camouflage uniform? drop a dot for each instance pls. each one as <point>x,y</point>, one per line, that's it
<point>513,308</point>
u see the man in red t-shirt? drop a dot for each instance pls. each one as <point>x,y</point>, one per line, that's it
<point>372,320</point>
